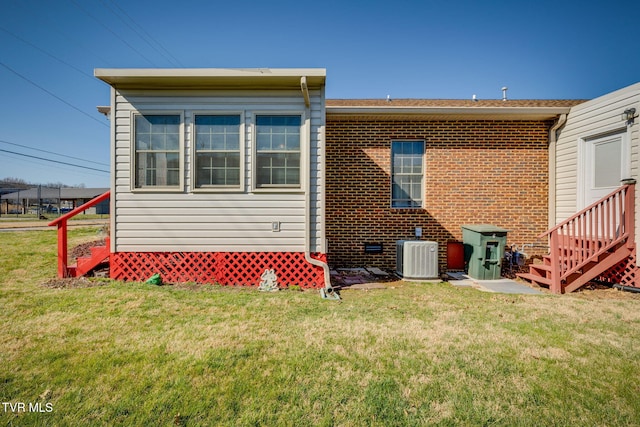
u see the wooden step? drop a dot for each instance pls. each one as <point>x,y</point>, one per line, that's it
<point>543,268</point>
<point>535,279</point>
<point>72,270</point>
<point>86,264</point>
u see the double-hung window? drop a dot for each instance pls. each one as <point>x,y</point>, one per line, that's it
<point>157,160</point>
<point>217,151</point>
<point>407,174</point>
<point>278,151</point>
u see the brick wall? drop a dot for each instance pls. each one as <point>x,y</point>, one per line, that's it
<point>492,172</point>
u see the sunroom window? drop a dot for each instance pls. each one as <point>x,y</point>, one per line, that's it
<point>278,151</point>
<point>157,150</point>
<point>217,151</point>
<point>407,174</point>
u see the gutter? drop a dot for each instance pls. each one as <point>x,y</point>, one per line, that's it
<point>553,139</point>
<point>514,113</point>
<point>327,292</point>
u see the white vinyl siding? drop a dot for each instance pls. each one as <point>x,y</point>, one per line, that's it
<point>196,219</point>
<point>592,119</point>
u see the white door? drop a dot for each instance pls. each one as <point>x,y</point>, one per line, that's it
<point>606,163</point>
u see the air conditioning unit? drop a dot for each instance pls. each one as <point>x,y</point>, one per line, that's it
<point>416,259</point>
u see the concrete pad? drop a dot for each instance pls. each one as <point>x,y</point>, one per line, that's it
<point>503,286</point>
<point>506,286</point>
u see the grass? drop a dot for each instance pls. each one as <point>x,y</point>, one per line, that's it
<point>415,354</point>
<point>50,217</point>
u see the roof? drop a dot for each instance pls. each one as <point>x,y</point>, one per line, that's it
<point>211,78</point>
<point>451,109</point>
<point>67,193</point>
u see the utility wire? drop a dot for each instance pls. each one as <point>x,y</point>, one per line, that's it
<point>112,32</point>
<point>53,161</point>
<point>52,152</point>
<point>52,94</point>
<point>54,26</point>
<point>148,38</point>
<point>49,54</point>
<point>42,166</point>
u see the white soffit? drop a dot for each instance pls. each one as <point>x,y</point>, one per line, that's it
<point>211,78</point>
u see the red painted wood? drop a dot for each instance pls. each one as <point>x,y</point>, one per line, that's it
<point>63,267</point>
<point>224,268</point>
<point>595,235</point>
<point>62,249</point>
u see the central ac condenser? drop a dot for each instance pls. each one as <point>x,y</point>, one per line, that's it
<point>417,259</point>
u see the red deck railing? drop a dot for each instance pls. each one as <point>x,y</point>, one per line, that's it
<point>590,233</point>
<point>62,231</point>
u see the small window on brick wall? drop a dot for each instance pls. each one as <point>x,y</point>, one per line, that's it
<point>407,174</point>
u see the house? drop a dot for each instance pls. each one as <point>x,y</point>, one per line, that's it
<point>220,174</point>
<point>48,200</point>
<point>394,165</point>
<point>595,152</point>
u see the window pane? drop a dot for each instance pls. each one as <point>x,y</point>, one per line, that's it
<point>278,141</point>
<point>407,173</point>
<point>232,141</point>
<point>220,136</point>
<point>607,163</point>
<point>278,150</point>
<point>157,143</point>
<point>217,141</point>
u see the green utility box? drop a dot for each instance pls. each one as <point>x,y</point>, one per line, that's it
<point>484,250</point>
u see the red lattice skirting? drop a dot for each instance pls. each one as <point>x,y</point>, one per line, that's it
<point>624,273</point>
<point>225,268</point>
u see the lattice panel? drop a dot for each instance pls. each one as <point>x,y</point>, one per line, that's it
<point>225,268</point>
<point>624,273</point>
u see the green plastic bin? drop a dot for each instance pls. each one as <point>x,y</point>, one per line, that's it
<point>484,250</point>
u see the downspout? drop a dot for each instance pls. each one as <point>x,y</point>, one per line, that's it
<point>327,292</point>
<point>553,138</point>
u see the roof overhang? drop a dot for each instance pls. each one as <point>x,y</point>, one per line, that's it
<point>445,113</point>
<point>211,78</point>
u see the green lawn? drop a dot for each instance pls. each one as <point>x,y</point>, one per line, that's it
<point>414,354</point>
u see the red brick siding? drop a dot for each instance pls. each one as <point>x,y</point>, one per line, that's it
<point>492,172</point>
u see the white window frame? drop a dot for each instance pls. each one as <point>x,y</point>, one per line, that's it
<point>304,144</point>
<point>133,163</point>
<point>422,174</point>
<point>193,153</point>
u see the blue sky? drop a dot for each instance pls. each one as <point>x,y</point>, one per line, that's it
<point>403,48</point>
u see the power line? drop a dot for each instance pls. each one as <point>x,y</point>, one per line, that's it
<point>53,161</point>
<point>49,54</point>
<point>52,94</point>
<point>53,152</point>
<point>53,25</point>
<point>112,32</point>
<point>43,167</point>
<point>148,38</point>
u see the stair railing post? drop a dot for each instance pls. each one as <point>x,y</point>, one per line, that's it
<point>554,244</point>
<point>62,249</point>
<point>61,223</point>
